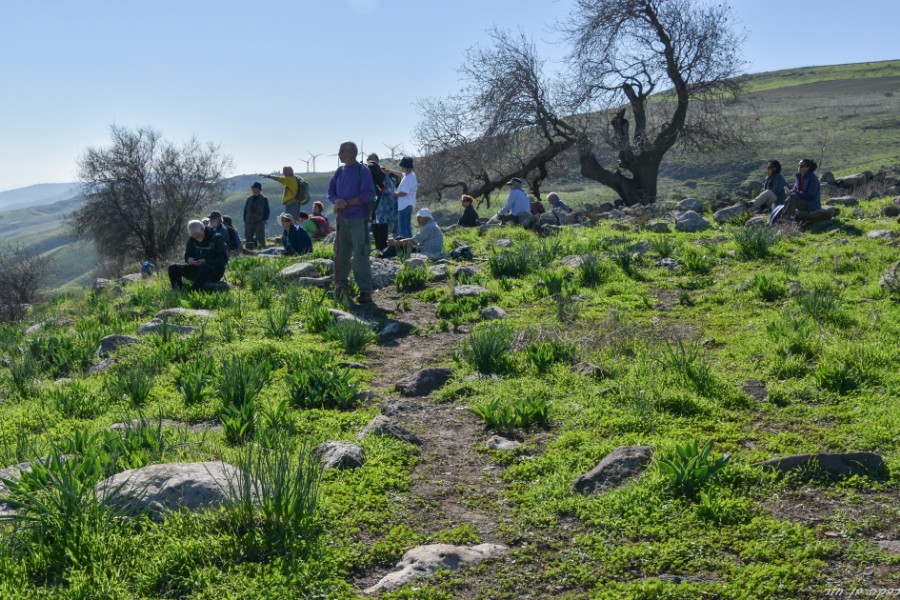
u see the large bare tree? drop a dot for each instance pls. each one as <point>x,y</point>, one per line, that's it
<point>644,75</point>
<point>141,191</point>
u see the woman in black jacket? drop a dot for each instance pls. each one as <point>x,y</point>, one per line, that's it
<point>295,240</point>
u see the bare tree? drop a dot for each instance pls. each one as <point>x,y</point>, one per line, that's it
<point>141,191</point>
<point>22,273</point>
<point>637,67</point>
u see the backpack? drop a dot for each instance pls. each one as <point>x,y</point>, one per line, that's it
<point>322,226</point>
<point>234,238</point>
<point>302,190</point>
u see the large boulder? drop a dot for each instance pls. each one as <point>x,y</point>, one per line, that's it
<point>691,222</point>
<point>339,455</point>
<point>624,463</point>
<point>424,382</point>
<point>842,464</point>
<point>58,322</point>
<point>423,561</point>
<point>854,181</point>
<point>491,313</point>
<point>111,343</point>
<point>726,214</point>
<point>890,279</point>
<point>384,271</point>
<point>658,227</point>
<point>157,489</point>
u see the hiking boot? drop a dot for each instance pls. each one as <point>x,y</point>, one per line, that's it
<point>364,299</point>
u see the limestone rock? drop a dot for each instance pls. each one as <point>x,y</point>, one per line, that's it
<point>842,464</point>
<point>890,211</point>
<point>339,455</point>
<point>468,291</point>
<point>881,234</point>
<point>111,343</point>
<point>318,282</point>
<point>415,262</point>
<point>159,488</point>
<point>757,221</point>
<point>302,269</point>
<point>691,222</point>
<point>490,313</point>
<point>393,330</point>
<point>169,313</point>
<point>726,214</point>
<point>156,326</point>
<point>101,366</point>
<point>496,442</point>
<point>424,382</point>
<point>624,463</point>
<point>324,265</point>
<point>438,272</point>
<point>591,370</point>
<point>384,271</point>
<point>574,260</point>
<point>658,227</point>
<point>382,426</point>
<point>890,279</point>
<point>690,204</point>
<point>843,201</point>
<point>673,264</point>
<point>889,546</point>
<point>466,271</point>
<point>423,561</point>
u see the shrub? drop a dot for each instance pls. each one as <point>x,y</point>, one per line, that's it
<point>695,261</point>
<point>823,303</point>
<point>278,321</point>
<point>624,257</point>
<point>239,422</point>
<point>516,261</point>
<point>314,307</point>
<point>554,281</point>
<point>755,242</point>
<point>351,335</point>
<point>505,418</point>
<point>689,467</point>
<point>411,280</point>
<point>240,381</point>
<point>592,272</point>
<point>544,354</point>
<point>689,365</point>
<point>487,348</point>
<point>322,384</point>
<point>664,245</point>
<point>23,370</point>
<point>768,288</point>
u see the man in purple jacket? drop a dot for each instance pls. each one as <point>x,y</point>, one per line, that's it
<point>351,190</point>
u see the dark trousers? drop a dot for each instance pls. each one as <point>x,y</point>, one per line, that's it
<point>198,275</point>
<point>380,234</point>
<point>257,230</point>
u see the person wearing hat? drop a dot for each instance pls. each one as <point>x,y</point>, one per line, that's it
<point>215,223</point>
<point>469,217</point>
<point>205,258</point>
<point>256,215</point>
<point>294,240</point>
<point>429,241</point>
<point>517,207</point>
<point>406,197</point>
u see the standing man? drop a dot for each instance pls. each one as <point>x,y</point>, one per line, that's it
<point>291,196</point>
<point>406,197</point>
<point>256,214</point>
<point>351,190</point>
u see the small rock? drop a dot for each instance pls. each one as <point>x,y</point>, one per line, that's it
<point>591,370</point>
<point>111,343</point>
<point>101,366</point>
<point>396,407</point>
<point>794,289</point>
<point>157,326</point>
<point>843,201</point>
<point>169,313</point>
<point>466,271</point>
<point>424,382</point>
<point>843,464</point>
<point>339,455</point>
<point>756,389</point>
<point>38,327</point>
<point>624,463</point>
<point>438,272</point>
<point>347,364</point>
<point>757,221</point>
<point>414,262</point>
<point>341,315</point>
<point>726,214</point>
<point>890,279</point>
<point>690,204</point>
<point>468,291</point>
<point>423,561</point>
<point>574,260</point>
<point>890,211</point>
<point>640,247</point>
<point>658,227</point>
<point>496,442</point>
<point>503,243</point>
<point>382,426</point>
<point>889,546</point>
<point>318,282</point>
<point>480,377</point>
<point>302,269</point>
<point>691,222</point>
<point>673,264</point>
<point>490,313</point>
<point>393,330</point>
<point>881,234</point>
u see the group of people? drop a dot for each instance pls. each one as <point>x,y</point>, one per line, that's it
<point>804,198</point>
<point>367,198</point>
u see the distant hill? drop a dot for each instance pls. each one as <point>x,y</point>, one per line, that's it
<point>37,195</point>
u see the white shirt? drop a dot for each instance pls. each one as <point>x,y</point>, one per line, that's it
<point>408,184</point>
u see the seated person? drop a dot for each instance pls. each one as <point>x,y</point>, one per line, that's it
<point>305,222</point>
<point>429,241</point>
<point>805,197</point>
<point>294,240</point>
<point>205,257</point>
<point>319,210</point>
<point>517,207</point>
<point>556,203</point>
<point>537,207</point>
<point>233,241</point>
<point>773,188</point>
<point>469,217</point>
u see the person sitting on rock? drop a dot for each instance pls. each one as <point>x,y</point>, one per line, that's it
<point>205,257</point>
<point>294,240</point>
<point>537,207</point>
<point>556,203</point>
<point>469,217</point>
<point>773,193</point>
<point>429,241</point>
<point>233,241</point>
<point>805,196</point>
<point>517,207</point>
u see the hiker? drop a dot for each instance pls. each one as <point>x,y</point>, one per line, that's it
<point>256,215</point>
<point>214,222</point>
<point>773,193</point>
<point>406,196</point>
<point>805,196</point>
<point>294,239</point>
<point>384,214</point>
<point>557,204</point>
<point>517,207</point>
<point>429,241</point>
<point>233,242</point>
<point>291,195</point>
<point>351,190</point>
<point>319,210</point>
<point>307,224</point>
<point>205,258</point>
<point>469,217</point>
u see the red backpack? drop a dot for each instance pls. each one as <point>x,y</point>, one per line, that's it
<point>322,226</point>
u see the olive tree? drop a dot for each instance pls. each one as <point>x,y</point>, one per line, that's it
<point>140,192</point>
<point>643,76</point>
<point>23,272</point>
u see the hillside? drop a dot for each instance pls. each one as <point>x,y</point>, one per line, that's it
<point>37,195</point>
<point>581,415</point>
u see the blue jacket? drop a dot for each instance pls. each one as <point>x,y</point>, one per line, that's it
<point>296,241</point>
<point>811,192</point>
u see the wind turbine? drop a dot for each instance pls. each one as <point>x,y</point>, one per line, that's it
<point>313,157</point>
<point>306,162</point>
<point>393,149</point>
<point>362,153</point>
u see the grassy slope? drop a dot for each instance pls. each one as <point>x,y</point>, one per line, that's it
<point>828,360</point>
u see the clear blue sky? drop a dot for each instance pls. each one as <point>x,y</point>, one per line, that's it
<point>271,79</point>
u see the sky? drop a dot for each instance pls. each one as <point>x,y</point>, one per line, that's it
<point>272,81</point>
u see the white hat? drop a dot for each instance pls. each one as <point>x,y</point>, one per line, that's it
<point>424,212</point>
